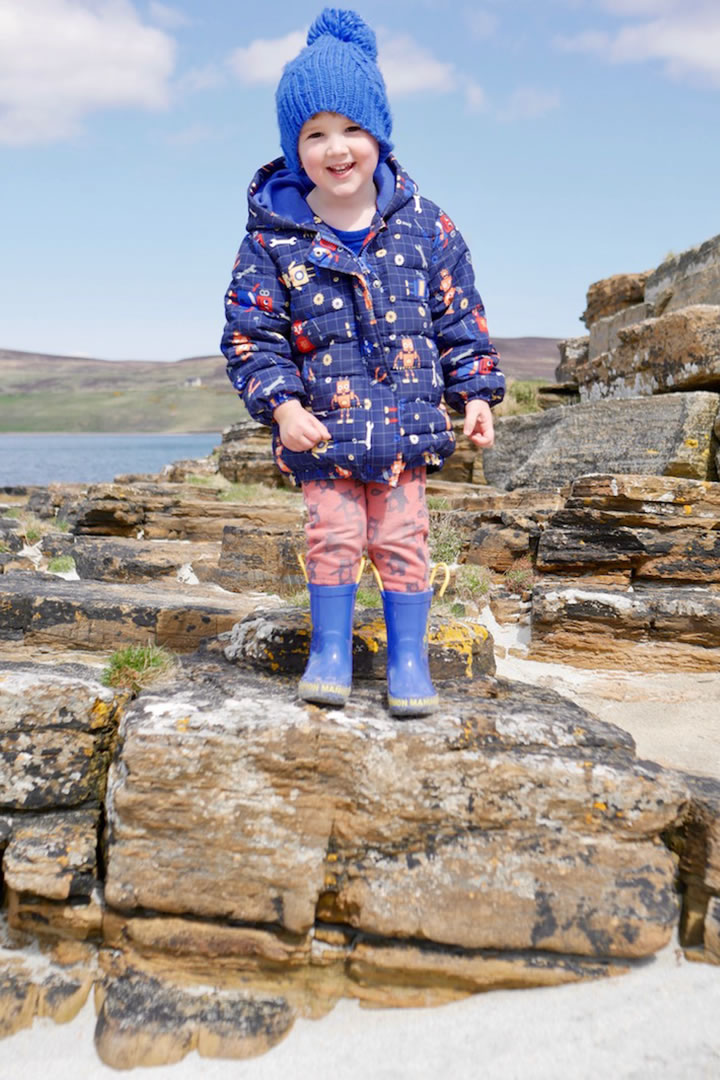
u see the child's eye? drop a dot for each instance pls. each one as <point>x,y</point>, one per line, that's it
<point>353,127</point>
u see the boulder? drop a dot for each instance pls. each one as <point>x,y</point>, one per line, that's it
<point>255,556</point>
<point>232,801</point>
<point>56,730</point>
<point>648,626</point>
<point>122,559</point>
<point>144,1020</point>
<point>279,641</point>
<point>669,435</point>
<point>663,528</point>
<point>39,985</point>
<point>573,353</point>
<point>245,455</point>
<point>614,294</point>
<point>692,277</point>
<point>678,350</point>
<point>170,512</point>
<point>46,610</point>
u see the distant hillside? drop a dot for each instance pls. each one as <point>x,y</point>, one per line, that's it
<point>70,393</point>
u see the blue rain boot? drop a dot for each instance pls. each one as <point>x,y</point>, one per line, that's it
<point>410,691</point>
<point>328,675</point>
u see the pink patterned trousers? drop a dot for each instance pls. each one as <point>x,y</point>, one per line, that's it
<point>348,517</point>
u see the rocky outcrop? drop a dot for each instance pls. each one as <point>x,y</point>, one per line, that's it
<point>123,559</point>
<point>668,435</point>
<point>279,641</point>
<point>679,350</point>
<point>245,455</point>
<point>614,294</point>
<point>647,527</point>
<point>37,610</point>
<point>395,830</point>
<point>630,575</point>
<point>651,333</point>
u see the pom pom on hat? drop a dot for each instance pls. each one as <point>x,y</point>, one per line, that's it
<point>346,26</point>
<point>336,72</point>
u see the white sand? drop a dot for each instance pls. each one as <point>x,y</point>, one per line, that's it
<point>659,1022</point>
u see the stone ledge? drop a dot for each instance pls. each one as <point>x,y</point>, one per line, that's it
<point>279,641</point>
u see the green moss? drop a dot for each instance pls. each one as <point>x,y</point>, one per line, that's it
<point>137,665</point>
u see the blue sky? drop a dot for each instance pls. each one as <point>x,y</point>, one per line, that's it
<point>568,139</point>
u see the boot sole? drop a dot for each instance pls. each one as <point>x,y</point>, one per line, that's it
<point>323,693</point>
<point>408,707</point>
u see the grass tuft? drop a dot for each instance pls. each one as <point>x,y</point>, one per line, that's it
<point>257,493</point>
<point>137,665</point>
<point>61,564</point>
<point>444,539</point>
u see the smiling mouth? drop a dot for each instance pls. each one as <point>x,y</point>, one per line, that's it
<point>341,170</point>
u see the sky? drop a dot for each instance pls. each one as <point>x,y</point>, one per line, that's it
<point>568,139</point>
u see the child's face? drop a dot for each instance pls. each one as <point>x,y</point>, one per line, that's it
<point>339,156</point>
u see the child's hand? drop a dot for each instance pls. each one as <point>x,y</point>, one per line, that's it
<point>479,423</point>
<point>299,429</point>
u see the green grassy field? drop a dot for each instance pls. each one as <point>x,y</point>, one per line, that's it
<point>171,410</point>
<point>40,393</point>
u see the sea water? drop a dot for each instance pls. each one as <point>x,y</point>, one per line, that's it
<point>68,459</point>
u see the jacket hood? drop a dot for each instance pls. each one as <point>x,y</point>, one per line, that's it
<point>277,196</point>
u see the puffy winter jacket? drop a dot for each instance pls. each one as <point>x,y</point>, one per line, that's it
<point>371,342</point>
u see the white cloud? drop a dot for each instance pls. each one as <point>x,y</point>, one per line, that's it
<point>475,97</point>
<point>205,78</point>
<point>528,103</point>
<point>684,36</point>
<point>62,59</point>
<point>166,16</point>
<point>409,67</point>
<point>482,24</point>
<point>262,60</point>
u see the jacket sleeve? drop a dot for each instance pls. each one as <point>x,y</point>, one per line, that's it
<point>256,339</point>
<point>469,359</point>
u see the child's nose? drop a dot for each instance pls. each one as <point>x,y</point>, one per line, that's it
<point>336,143</point>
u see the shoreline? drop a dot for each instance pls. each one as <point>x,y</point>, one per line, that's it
<point>160,434</point>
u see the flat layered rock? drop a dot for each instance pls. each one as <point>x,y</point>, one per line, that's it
<point>127,560</point>
<point>233,801</point>
<point>56,730</point>
<point>169,512</point>
<point>38,986</point>
<point>146,1021</point>
<point>691,277</point>
<point>712,930</point>
<point>614,294</point>
<point>663,528</point>
<point>667,435</point>
<point>279,641</point>
<point>596,626</point>
<point>679,350</point>
<point>259,556</point>
<point>54,855</point>
<point>42,610</point>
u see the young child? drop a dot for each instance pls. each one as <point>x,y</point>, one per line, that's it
<point>351,311</point>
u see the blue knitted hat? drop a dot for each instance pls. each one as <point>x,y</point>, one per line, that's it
<point>337,72</point>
